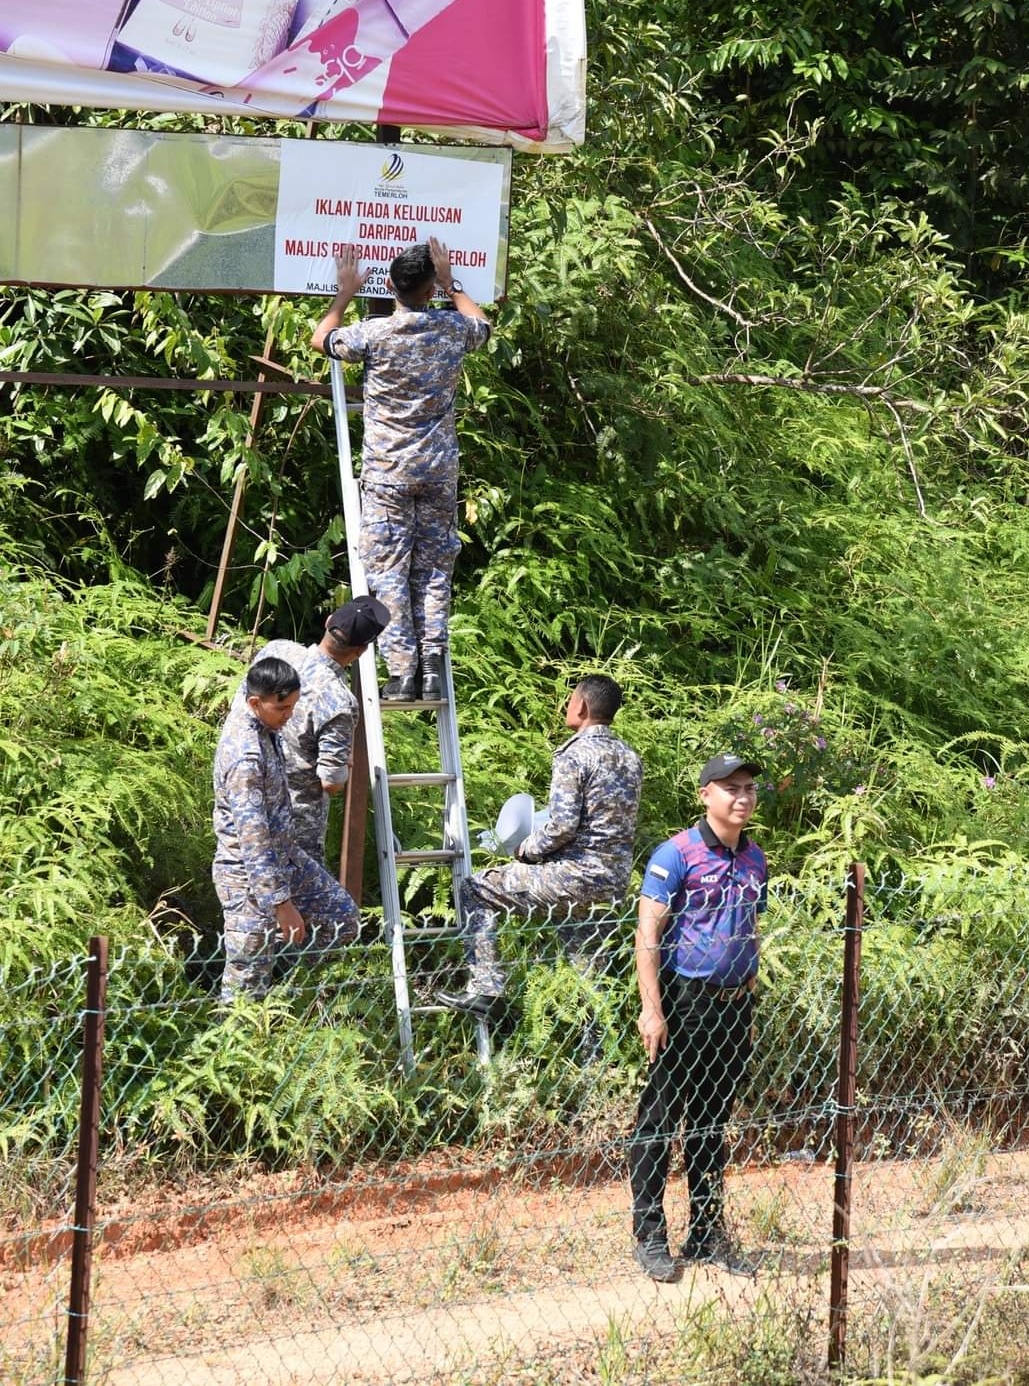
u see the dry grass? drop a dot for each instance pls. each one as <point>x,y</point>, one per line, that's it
<point>937,1287</point>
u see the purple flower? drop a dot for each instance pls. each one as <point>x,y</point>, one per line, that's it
<point>820,743</point>
<point>780,686</point>
<point>860,789</point>
<point>758,719</point>
<point>989,782</point>
<point>789,707</point>
<point>768,734</point>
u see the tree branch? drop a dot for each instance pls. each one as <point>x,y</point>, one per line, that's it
<point>694,288</point>
<point>908,454</point>
<point>789,382</point>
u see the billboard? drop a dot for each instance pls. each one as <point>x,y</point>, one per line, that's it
<point>231,213</point>
<point>498,71</point>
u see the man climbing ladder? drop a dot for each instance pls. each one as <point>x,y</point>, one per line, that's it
<point>405,429</point>
<point>408,541</point>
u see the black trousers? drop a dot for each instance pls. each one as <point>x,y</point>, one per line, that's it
<point>694,1077</point>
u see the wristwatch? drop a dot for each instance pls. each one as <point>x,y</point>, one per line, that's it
<point>456,287</point>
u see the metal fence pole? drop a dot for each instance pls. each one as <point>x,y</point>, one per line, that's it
<point>845,1116</point>
<point>85,1178</point>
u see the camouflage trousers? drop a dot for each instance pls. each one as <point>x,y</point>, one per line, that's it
<point>555,891</point>
<point>252,939</point>
<point>408,546</point>
<point>310,814</point>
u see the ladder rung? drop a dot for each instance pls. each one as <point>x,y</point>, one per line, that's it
<point>444,854</point>
<point>439,1010</point>
<point>416,705</point>
<point>429,777</point>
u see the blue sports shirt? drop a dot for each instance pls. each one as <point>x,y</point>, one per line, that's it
<point>715,896</point>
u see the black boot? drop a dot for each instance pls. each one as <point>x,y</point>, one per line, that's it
<point>432,678</point>
<point>477,1003</point>
<point>400,688</point>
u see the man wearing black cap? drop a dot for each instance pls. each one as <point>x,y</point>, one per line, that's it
<point>318,738</point>
<point>696,965</point>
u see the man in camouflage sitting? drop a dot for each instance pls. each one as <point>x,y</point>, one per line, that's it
<point>581,857</point>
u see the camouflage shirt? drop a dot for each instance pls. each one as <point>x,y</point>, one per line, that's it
<point>317,739</point>
<point>412,365</point>
<point>594,798</point>
<point>253,820</point>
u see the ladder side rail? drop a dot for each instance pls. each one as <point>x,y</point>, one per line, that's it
<point>455,807</point>
<point>456,819</point>
<point>371,720</point>
<point>348,484</point>
<point>385,849</point>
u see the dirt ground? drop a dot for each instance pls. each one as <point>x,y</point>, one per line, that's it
<point>441,1273</point>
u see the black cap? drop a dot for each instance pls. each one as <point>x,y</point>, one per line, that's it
<point>721,767</point>
<point>358,622</point>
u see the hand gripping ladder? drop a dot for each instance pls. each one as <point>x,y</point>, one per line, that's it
<point>454,851</point>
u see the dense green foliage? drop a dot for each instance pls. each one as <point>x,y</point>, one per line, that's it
<point>750,434</point>
<point>924,101</point>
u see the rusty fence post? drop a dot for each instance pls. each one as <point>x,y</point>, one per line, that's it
<point>846,1092</point>
<point>85,1176</point>
<point>236,509</point>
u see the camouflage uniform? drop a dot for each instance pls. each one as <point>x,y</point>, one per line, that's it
<point>408,542</point>
<point>317,739</point>
<point>581,857</point>
<point>257,864</point>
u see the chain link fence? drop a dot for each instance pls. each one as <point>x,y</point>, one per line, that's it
<point>279,1202</point>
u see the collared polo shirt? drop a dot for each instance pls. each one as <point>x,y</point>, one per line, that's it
<point>715,895</point>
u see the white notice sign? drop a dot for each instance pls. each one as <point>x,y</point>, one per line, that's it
<point>383,199</point>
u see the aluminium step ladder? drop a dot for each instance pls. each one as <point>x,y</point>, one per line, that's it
<point>453,853</point>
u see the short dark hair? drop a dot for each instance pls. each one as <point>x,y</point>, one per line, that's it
<point>412,270</point>
<point>272,678</point>
<point>603,696</point>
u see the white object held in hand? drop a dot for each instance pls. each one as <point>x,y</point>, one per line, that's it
<point>513,826</point>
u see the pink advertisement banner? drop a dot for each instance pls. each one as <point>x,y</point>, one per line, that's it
<point>498,71</point>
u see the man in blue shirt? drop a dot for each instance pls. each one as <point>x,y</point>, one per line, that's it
<point>696,965</point>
